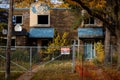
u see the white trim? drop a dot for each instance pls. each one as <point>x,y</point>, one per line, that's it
<point>44,25</point>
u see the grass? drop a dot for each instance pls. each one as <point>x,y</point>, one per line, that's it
<point>13,76</point>
<point>56,71</point>
<point>17,66</point>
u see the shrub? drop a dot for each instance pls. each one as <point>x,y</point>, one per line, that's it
<point>20,55</point>
<point>57,42</point>
<point>99,52</point>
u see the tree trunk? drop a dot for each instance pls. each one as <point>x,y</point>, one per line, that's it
<point>107,46</point>
<point>8,48</point>
<point>118,47</point>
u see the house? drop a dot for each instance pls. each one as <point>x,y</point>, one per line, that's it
<point>35,26</point>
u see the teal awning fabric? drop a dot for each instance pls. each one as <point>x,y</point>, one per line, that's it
<point>41,33</point>
<point>90,33</point>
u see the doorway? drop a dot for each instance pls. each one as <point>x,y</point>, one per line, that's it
<point>89,50</point>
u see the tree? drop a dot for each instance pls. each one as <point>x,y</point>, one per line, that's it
<point>108,11</point>
<point>58,41</point>
<point>27,3</point>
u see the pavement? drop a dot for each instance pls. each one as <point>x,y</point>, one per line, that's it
<point>29,74</point>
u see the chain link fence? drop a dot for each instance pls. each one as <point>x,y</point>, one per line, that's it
<point>25,58</point>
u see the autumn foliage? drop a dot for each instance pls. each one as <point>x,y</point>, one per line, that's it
<point>57,42</point>
<point>89,71</point>
<point>94,4</point>
<point>27,4</point>
<point>100,54</point>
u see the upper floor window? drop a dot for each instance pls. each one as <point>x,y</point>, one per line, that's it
<point>43,19</point>
<point>89,20</point>
<point>18,19</point>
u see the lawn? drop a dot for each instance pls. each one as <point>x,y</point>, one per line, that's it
<point>13,76</point>
<point>57,70</point>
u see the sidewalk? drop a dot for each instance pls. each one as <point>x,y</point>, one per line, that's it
<point>29,75</point>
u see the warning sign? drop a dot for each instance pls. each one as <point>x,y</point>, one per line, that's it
<point>65,51</point>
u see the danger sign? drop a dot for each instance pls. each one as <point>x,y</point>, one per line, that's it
<point>65,50</point>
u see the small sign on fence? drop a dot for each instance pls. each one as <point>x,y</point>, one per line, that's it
<point>65,51</point>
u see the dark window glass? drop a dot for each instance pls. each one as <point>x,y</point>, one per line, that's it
<point>86,21</point>
<point>4,42</point>
<point>45,42</point>
<point>42,19</point>
<point>19,19</point>
<point>89,20</point>
<point>13,42</point>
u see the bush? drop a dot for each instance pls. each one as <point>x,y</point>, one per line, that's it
<point>20,55</point>
<point>99,52</point>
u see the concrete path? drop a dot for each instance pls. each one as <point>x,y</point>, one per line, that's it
<point>29,75</point>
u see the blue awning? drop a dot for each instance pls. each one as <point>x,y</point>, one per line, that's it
<point>90,32</point>
<point>41,33</point>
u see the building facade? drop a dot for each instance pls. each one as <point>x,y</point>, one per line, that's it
<point>36,26</point>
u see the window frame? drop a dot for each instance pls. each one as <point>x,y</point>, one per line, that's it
<point>44,25</point>
<point>14,19</point>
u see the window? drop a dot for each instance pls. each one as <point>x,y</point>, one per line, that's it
<point>89,20</point>
<point>18,19</point>
<point>42,19</point>
<point>89,51</point>
<point>4,42</point>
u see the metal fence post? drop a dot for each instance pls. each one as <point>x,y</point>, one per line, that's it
<point>30,59</point>
<point>73,57</point>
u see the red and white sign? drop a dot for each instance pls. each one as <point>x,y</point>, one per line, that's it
<point>65,50</point>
